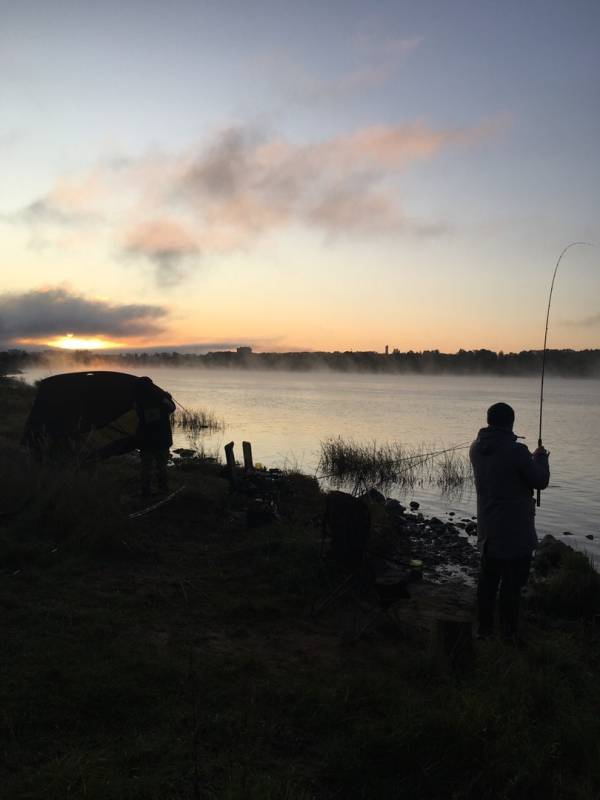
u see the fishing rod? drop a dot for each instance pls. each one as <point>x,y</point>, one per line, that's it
<point>568,247</point>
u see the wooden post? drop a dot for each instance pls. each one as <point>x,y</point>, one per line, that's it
<point>230,457</point>
<point>452,643</point>
<point>248,463</point>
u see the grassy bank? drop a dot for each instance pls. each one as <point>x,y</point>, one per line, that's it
<point>172,656</point>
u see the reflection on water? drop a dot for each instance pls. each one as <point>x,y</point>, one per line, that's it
<point>286,416</point>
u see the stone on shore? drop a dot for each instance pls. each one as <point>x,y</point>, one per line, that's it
<point>549,554</point>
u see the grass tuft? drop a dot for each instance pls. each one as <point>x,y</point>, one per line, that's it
<point>194,422</point>
<point>367,465</point>
<point>572,591</point>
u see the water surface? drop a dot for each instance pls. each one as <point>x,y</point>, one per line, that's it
<point>286,416</point>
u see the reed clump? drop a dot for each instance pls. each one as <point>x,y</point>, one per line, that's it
<point>453,470</point>
<point>197,421</point>
<point>382,465</point>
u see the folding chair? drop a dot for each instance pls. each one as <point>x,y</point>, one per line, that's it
<point>349,568</point>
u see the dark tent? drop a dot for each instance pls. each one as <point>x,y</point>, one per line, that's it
<point>91,413</point>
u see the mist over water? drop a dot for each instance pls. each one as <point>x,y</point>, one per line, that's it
<point>287,415</point>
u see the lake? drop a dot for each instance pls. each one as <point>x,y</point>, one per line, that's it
<point>286,415</point>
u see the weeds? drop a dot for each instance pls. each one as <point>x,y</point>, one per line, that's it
<point>16,399</point>
<point>79,508</point>
<point>368,465</point>
<point>453,470</point>
<point>195,422</point>
<point>573,590</point>
<point>201,451</point>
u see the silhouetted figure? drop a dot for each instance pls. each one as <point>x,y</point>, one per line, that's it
<point>154,408</point>
<point>506,474</point>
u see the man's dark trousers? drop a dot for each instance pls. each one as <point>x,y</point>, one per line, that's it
<point>510,574</point>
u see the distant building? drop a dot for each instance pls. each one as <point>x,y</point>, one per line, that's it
<point>387,350</point>
<point>244,351</point>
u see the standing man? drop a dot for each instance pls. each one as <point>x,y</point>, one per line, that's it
<point>506,474</point>
<point>154,408</point>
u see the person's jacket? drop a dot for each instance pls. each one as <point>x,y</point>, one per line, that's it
<point>506,474</point>
<point>154,408</point>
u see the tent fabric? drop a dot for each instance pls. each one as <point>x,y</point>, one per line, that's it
<point>91,411</point>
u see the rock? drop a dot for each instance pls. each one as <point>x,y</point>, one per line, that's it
<point>394,506</point>
<point>589,536</point>
<point>373,496</point>
<point>414,505</point>
<point>435,521</point>
<point>185,452</point>
<point>471,528</point>
<point>549,554</point>
<point>567,533</point>
<point>550,541</point>
<point>452,513</point>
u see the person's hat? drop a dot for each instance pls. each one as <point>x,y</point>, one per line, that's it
<point>501,415</point>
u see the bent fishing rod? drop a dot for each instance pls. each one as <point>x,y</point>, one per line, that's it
<point>568,247</point>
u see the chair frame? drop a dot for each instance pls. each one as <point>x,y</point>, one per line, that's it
<point>360,575</point>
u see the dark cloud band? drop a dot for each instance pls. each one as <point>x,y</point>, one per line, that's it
<point>54,312</point>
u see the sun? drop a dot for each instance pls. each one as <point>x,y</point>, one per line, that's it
<point>71,342</point>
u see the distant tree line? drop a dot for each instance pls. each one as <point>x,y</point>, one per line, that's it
<point>567,363</point>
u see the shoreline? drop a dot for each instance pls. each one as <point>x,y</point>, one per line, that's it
<point>464,363</point>
<point>174,653</point>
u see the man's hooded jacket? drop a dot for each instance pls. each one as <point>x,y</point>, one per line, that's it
<point>506,474</point>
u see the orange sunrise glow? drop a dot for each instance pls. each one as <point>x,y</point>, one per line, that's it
<point>70,342</point>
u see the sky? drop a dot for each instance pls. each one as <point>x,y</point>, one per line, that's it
<point>331,175</point>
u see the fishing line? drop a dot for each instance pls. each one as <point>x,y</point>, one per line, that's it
<point>423,458</point>
<point>568,247</point>
<point>182,407</point>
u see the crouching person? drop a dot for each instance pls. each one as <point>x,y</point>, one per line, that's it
<point>154,408</point>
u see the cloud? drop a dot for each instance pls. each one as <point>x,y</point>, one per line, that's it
<point>56,220</point>
<point>42,313</point>
<point>45,211</point>
<point>170,209</point>
<point>376,61</point>
<point>583,322</point>
<point>270,344</point>
<point>386,48</point>
<point>370,213</point>
<point>166,244</point>
<point>244,185</point>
